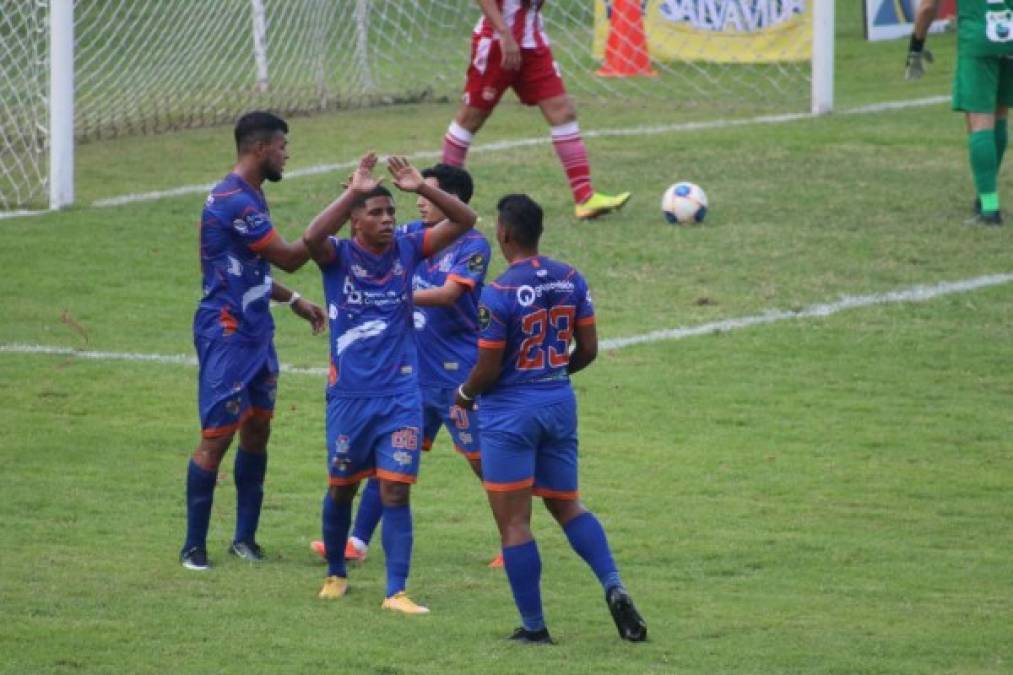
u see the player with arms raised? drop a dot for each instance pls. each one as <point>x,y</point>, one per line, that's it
<point>528,318</point>
<point>447,287</point>
<point>374,410</point>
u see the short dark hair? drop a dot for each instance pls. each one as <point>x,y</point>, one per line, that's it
<point>522,216</point>
<point>378,191</point>
<point>452,179</point>
<point>255,126</point>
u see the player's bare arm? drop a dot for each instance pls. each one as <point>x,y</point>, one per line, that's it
<point>303,308</point>
<point>459,216</point>
<point>289,256</point>
<point>585,338</point>
<point>482,377</point>
<point>444,296</point>
<point>507,44</point>
<point>330,220</point>
<point>918,55</point>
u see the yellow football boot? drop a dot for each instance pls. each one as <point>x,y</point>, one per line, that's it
<point>400,602</point>
<point>600,204</point>
<point>334,588</point>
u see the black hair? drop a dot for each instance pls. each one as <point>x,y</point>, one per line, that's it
<point>378,191</point>
<point>452,179</point>
<point>255,126</point>
<point>522,216</point>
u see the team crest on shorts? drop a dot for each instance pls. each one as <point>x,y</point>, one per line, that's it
<point>484,317</point>
<point>488,93</point>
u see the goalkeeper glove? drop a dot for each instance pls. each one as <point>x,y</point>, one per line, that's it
<point>915,67</point>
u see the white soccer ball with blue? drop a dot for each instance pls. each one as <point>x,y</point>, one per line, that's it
<point>684,204</point>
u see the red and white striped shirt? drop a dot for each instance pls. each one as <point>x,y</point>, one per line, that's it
<point>525,20</point>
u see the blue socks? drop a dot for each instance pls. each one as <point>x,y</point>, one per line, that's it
<point>397,546</point>
<point>200,492</point>
<point>587,537</point>
<point>369,513</point>
<point>249,477</point>
<point>524,570</point>
<point>335,521</point>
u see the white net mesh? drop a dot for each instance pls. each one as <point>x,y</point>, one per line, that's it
<point>24,82</point>
<point>148,66</point>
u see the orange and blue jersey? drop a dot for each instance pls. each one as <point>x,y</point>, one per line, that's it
<point>235,226</point>
<point>528,418</point>
<point>531,311</point>
<point>446,336</point>
<point>369,307</point>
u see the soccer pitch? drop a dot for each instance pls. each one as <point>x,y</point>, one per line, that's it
<point>823,492</point>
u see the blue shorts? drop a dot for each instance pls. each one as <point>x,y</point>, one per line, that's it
<point>438,409</point>
<point>374,437</point>
<point>533,447</point>
<point>236,380</point>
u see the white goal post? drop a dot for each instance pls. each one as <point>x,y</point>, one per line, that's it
<point>78,71</point>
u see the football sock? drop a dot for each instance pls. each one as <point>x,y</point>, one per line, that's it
<point>397,539</point>
<point>1001,139</point>
<point>982,150</point>
<point>572,155</point>
<point>335,519</point>
<point>455,144</point>
<point>248,474</point>
<point>200,493</point>
<point>369,513</point>
<point>587,537</point>
<point>524,570</point>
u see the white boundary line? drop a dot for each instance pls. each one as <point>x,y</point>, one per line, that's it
<point>910,294</point>
<point>541,140</point>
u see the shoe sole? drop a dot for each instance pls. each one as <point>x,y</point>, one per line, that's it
<point>628,620</point>
<point>195,568</point>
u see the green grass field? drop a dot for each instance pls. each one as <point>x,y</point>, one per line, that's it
<point>816,495</point>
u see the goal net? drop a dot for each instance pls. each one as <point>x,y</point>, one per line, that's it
<point>150,66</point>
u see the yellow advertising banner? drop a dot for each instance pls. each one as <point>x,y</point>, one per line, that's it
<point>719,31</point>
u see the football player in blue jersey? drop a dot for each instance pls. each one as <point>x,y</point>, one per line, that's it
<point>233,333</point>
<point>374,408</point>
<point>446,287</point>
<point>527,319</point>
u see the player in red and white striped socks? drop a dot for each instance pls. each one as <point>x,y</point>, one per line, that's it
<point>509,49</point>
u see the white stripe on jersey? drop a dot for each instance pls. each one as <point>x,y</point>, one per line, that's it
<point>360,332</point>
<point>532,34</point>
<point>255,293</point>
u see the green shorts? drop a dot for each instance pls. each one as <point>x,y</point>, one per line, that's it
<point>980,83</point>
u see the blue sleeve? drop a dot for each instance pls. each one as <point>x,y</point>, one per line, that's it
<point>492,319</point>
<point>471,262</point>
<point>585,306</point>
<point>253,226</point>
<point>338,252</point>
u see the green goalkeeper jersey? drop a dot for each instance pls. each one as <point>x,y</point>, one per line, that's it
<point>985,27</point>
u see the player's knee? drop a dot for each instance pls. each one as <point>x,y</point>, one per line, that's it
<point>564,510</point>
<point>210,451</point>
<point>342,494</point>
<point>559,110</point>
<point>254,434</point>
<point>471,118</point>
<point>394,494</point>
